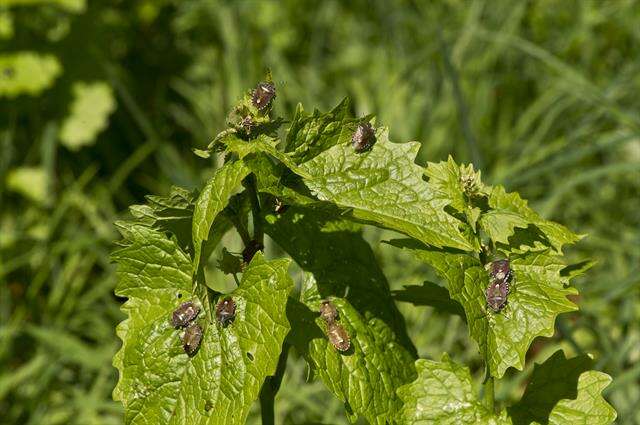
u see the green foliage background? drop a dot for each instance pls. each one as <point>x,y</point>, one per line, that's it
<point>102,102</point>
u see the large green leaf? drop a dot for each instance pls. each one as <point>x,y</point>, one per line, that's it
<point>343,269</point>
<point>27,73</point>
<point>443,394</point>
<point>212,200</point>
<point>92,104</point>
<point>564,391</point>
<point>384,186</point>
<point>159,382</point>
<point>538,294</point>
<point>310,135</point>
<point>510,211</point>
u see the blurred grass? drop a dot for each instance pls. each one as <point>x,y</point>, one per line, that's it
<point>544,92</point>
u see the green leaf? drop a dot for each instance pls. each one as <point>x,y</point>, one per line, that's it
<point>443,394</point>
<point>501,224</point>
<point>27,73</point>
<point>343,269</point>
<point>453,182</point>
<point>429,294</point>
<point>212,200</point>
<point>553,235</point>
<point>538,294</point>
<point>563,391</point>
<point>229,263</point>
<point>159,382</point>
<point>172,213</point>
<point>309,135</point>
<point>384,186</point>
<point>90,110</point>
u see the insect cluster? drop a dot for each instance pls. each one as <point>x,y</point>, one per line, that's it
<point>183,317</point>
<point>500,275</point>
<point>337,335</point>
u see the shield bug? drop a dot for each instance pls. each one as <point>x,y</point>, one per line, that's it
<point>226,311</point>
<point>280,207</point>
<point>263,95</point>
<point>191,338</point>
<point>328,312</point>
<point>497,292</point>
<point>363,138</point>
<point>499,270</point>
<point>338,337</point>
<point>250,250</point>
<point>184,314</point>
<point>247,125</point>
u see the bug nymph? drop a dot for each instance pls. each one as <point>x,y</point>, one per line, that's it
<point>226,311</point>
<point>191,338</point>
<point>338,337</point>
<point>497,292</point>
<point>328,312</point>
<point>263,94</point>
<point>280,207</point>
<point>363,138</point>
<point>500,270</point>
<point>184,314</point>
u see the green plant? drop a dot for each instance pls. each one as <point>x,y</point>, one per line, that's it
<point>310,195</point>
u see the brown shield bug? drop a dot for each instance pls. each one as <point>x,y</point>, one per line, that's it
<point>263,95</point>
<point>363,138</point>
<point>226,311</point>
<point>191,338</point>
<point>338,337</point>
<point>328,312</point>
<point>500,270</point>
<point>498,289</point>
<point>497,292</point>
<point>184,314</point>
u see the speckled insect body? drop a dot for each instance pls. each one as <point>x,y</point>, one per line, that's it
<point>338,337</point>
<point>498,290</point>
<point>500,270</point>
<point>497,293</point>
<point>184,314</point>
<point>280,207</point>
<point>263,94</point>
<point>328,312</point>
<point>363,138</point>
<point>192,338</point>
<point>226,311</point>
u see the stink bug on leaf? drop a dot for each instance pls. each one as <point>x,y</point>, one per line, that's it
<point>191,338</point>
<point>263,95</point>
<point>497,292</point>
<point>498,289</point>
<point>226,311</point>
<point>363,138</point>
<point>338,337</point>
<point>184,314</point>
<point>328,312</point>
<point>500,270</point>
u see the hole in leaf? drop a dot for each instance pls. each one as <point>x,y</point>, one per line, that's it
<point>179,295</point>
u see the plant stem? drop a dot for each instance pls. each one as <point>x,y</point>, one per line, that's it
<point>270,389</point>
<point>258,232</point>
<point>489,395</point>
